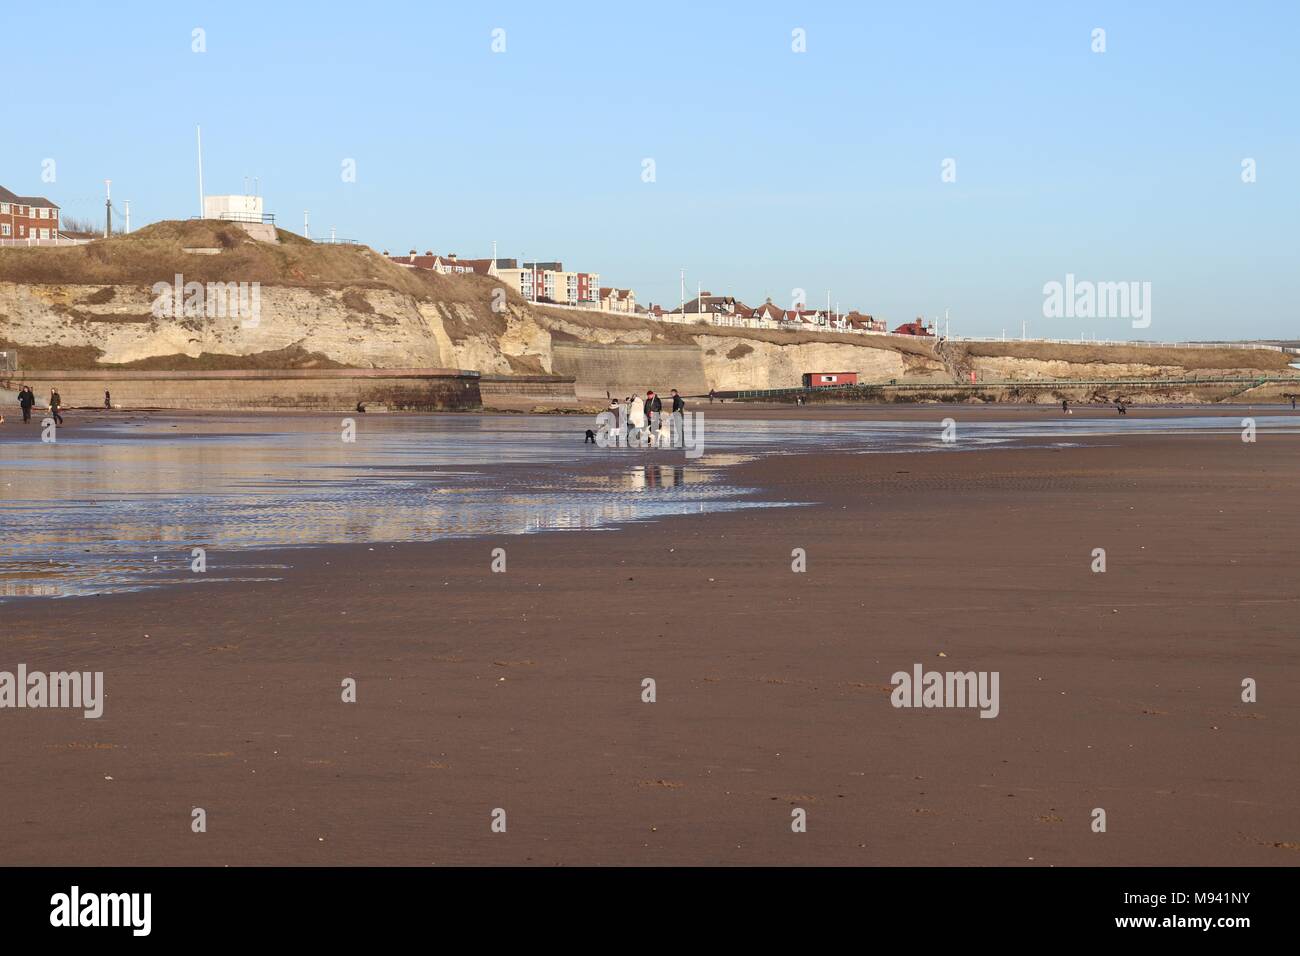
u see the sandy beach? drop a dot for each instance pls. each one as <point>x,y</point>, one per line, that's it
<point>523,690</point>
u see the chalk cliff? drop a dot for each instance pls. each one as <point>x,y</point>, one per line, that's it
<point>103,305</point>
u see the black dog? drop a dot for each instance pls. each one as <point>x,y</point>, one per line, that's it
<point>591,437</point>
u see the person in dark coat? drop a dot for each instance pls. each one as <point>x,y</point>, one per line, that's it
<point>26,399</point>
<point>678,424</point>
<point>655,407</point>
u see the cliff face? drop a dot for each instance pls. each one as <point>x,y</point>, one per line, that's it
<point>116,325</point>
<point>98,306</point>
<point>375,328</point>
<point>119,325</point>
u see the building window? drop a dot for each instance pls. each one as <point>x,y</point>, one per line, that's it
<point>4,208</point>
<point>4,229</point>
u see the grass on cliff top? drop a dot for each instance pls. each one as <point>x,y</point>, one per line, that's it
<point>1190,359</point>
<point>156,253</point>
<point>64,358</point>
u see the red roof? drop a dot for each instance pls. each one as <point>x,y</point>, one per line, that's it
<point>915,327</point>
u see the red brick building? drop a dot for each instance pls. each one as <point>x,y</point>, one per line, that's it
<point>27,217</point>
<point>915,327</point>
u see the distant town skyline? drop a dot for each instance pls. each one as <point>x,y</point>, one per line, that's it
<point>906,160</point>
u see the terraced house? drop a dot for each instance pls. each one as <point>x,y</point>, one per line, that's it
<point>27,217</point>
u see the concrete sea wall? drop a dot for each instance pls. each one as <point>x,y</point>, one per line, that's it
<point>424,390</point>
<point>624,369</point>
<point>526,388</point>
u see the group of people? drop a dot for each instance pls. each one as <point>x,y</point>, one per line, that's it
<point>644,418</point>
<point>27,401</point>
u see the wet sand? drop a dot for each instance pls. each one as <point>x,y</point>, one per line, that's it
<point>522,690</point>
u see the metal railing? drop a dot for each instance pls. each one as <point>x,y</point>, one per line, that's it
<point>868,387</point>
<point>1134,344</point>
<point>722,320</point>
<point>729,321</point>
<point>252,217</point>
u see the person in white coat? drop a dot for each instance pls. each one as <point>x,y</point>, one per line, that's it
<point>635,420</point>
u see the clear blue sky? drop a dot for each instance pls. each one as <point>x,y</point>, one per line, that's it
<point>775,170</point>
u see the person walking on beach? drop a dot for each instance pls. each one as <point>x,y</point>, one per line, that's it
<point>108,399</point>
<point>1119,405</point>
<point>1065,405</point>
<point>1293,403</point>
<point>678,421</point>
<point>655,408</point>
<point>711,393</point>
<point>55,404</point>
<point>25,401</point>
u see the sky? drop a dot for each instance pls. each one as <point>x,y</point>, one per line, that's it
<point>773,169</point>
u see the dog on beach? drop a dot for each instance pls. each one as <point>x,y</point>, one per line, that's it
<point>591,438</point>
